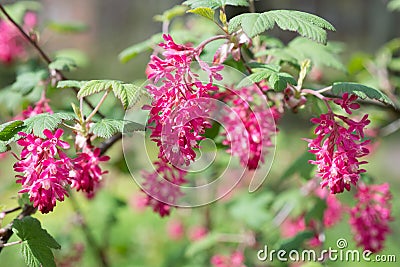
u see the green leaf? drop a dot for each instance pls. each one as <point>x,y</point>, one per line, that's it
<point>203,244</point>
<point>317,211</point>
<point>204,12</point>
<point>361,91</point>
<point>214,4</point>
<point>67,27</point>
<point>169,14</point>
<point>253,209</point>
<point>96,86</point>
<point>79,57</point>
<point>70,84</point>
<point>38,242</point>
<point>307,25</point>
<point>63,64</point>
<point>27,81</point>
<point>300,166</point>
<point>108,127</point>
<point>129,94</point>
<point>295,242</point>
<point>23,199</point>
<point>278,80</point>
<point>43,121</point>
<point>4,147</point>
<point>394,5</point>
<point>134,50</point>
<point>10,129</point>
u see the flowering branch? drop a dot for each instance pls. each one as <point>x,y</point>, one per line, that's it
<point>43,55</point>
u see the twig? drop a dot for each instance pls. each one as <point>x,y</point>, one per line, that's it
<point>252,7</point>
<point>109,143</point>
<point>11,244</point>
<point>10,210</point>
<point>6,232</point>
<point>96,109</point>
<point>43,55</point>
<point>91,241</point>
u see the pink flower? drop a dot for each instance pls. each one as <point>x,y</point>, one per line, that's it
<point>44,177</point>
<point>162,187</point>
<point>371,215</point>
<point>11,40</point>
<point>197,233</point>
<point>236,259</point>
<point>175,230</point>
<point>338,148</point>
<point>87,174</point>
<point>42,106</point>
<point>347,102</point>
<point>250,128</point>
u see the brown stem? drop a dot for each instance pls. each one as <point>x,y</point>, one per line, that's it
<point>6,232</point>
<point>91,241</point>
<point>11,210</point>
<point>43,55</point>
<point>109,143</point>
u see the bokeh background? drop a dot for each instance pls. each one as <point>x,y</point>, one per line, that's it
<point>140,238</point>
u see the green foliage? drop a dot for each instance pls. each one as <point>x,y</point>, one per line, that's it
<point>70,84</point>
<point>252,209</point>
<point>295,242</point>
<point>28,81</point>
<point>204,12</point>
<point>108,127</point>
<point>169,14</point>
<point>10,129</point>
<point>79,57</point>
<point>205,243</point>
<point>38,242</point>
<point>394,5</point>
<point>63,64</point>
<point>307,25</point>
<point>300,49</point>
<point>129,94</point>
<point>43,121</point>
<point>67,27</point>
<point>215,3</point>
<point>361,91</point>
<point>18,9</point>
<point>300,166</point>
<point>317,211</point>
<point>278,80</point>
<point>23,199</point>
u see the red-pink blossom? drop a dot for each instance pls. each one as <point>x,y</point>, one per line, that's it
<point>337,148</point>
<point>197,233</point>
<point>175,230</point>
<point>236,259</point>
<point>371,215</point>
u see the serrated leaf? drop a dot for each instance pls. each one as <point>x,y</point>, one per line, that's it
<point>361,91</point>
<point>214,4</point>
<point>63,64</point>
<point>70,84</point>
<point>27,81</point>
<point>204,12</point>
<point>96,86</point>
<point>277,80</point>
<point>306,24</point>
<point>10,129</point>
<point>169,14</point>
<point>129,94</point>
<point>39,122</point>
<point>67,27</point>
<point>29,257</point>
<point>107,127</point>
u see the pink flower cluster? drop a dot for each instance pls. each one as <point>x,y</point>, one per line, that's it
<point>236,259</point>
<point>371,215</point>
<point>47,171</point>
<point>42,106</point>
<point>179,108</point>
<point>162,187</point>
<point>338,146</point>
<point>249,133</point>
<point>11,40</point>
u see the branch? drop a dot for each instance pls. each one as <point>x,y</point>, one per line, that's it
<point>109,143</point>
<point>42,54</point>
<point>6,232</point>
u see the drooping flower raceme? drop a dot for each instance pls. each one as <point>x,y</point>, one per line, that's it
<point>338,147</point>
<point>47,171</point>
<point>371,215</point>
<point>257,120</point>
